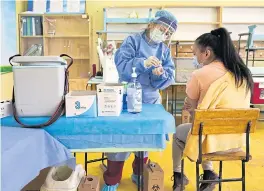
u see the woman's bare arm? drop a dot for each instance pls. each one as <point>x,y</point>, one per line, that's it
<point>190,105</point>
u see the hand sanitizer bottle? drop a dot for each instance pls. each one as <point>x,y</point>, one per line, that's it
<point>134,94</point>
<point>125,95</point>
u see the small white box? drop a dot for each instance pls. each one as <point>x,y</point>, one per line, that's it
<point>110,99</point>
<point>6,109</point>
<point>81,103</point>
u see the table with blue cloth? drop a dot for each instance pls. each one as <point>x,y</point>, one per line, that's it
<point>25,152</point>
<point>145,131</point>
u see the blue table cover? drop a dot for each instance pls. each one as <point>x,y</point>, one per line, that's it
<point>143,130</point>
<point>25,152</point>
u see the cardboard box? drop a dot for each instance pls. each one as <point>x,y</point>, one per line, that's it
<point>81,103</point>
<point>153,177</point>
<point>110,99</point>
<point>6,109</point>
<point>89,183</point>
<point>258,91</point>
<point>36,183</point>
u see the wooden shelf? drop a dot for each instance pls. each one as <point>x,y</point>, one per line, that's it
<point>127,20</point>
<point>256,104</point>
<point>200,23</point>
<point>65,15</point>
<point>29,14</point>
<point>188,41</point>
<point>67,36</point>
<point>77,83</point>
<point>250,57</point>
<point>32,36</point>
<point>79,58</point>
<point>135,6</point>
<point>243,23</point>
<point>72,37</point>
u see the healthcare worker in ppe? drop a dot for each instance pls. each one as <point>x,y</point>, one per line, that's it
<point>155,69</point>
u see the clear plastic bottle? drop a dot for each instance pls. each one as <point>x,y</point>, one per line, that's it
<point>39,50</point>
<point>134,94</point>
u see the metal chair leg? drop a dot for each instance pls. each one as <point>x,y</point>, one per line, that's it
<point>140,186</point>
<point>197,177</point>
<point>182,174</point>
<point>243,176</point>
<point>172,100</point>
<point>247,57</point>
<point>253,63</point>
<point>139,170</point>
<point>85,162</point>
<point>103,156</point>
<point>220,174</point>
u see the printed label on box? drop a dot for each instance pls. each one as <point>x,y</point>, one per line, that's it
<point>110,99</point>
<point>6,109</point>
<point>261,85</point>
<point>109,104</point>
<point>81,104</point>
<point>261,96</point>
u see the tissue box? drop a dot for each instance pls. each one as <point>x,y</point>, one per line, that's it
<point>81,103</point>
<point>6,109</point>
<point>110,99</point>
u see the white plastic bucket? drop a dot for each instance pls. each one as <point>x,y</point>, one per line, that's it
<point>39,83</point>
<point>63,178</point>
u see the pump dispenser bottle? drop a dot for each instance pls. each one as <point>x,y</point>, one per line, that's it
<point>134,94</point>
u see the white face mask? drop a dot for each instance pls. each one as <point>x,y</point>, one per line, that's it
<point>157,36</point>
<point>196,64</point>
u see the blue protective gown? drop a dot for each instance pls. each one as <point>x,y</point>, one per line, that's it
<point>132,53</point>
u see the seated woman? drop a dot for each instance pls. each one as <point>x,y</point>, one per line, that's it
<point>221,64</point>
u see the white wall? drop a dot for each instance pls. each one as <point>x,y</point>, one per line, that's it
<point>237,20</point>
<point>193,21</point>
<point>243,15</point>
<point>203,14</point>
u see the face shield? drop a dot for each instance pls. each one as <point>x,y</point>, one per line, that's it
<point>162,31</point>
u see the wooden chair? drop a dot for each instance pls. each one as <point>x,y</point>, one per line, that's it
<point>223,121</point>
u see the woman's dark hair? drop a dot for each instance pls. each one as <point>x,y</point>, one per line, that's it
<point>220,43</point>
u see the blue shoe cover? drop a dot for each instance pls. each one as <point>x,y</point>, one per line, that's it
<point>135,179</point>
<point>110,187</point>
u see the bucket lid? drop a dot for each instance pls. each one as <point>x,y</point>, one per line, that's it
<point>39,60</point>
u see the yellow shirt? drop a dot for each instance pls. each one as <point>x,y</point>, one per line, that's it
<point>201,80</point>
<point>221,94</point>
